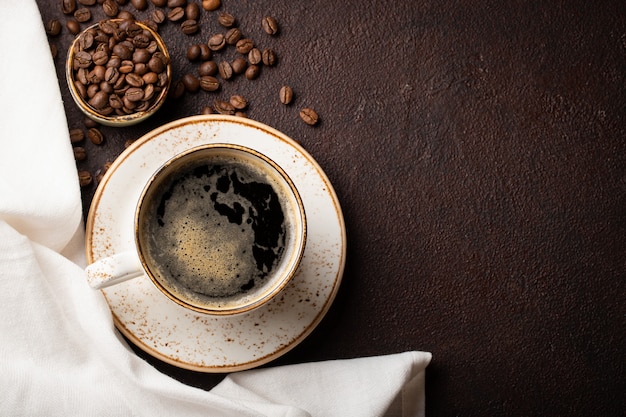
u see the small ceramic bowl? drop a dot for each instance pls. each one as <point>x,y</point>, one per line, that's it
<point>112,118</point>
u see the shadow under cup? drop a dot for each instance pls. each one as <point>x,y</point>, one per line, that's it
<point>220,229</point>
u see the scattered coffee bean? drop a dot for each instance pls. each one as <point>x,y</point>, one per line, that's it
<point>73,26</point>
<point>270,26</point>
<point>177,90</point>
<point>76,135</point>
<point>238,102</point>
<point>87,2</point>
<point>68,6</point>
<point>192,11</point>
<point>205,52</point>
<point>54,50</point>
<point>217,42</point>
<point>254,56</point>
<point>309,116</point>
<point>223,107</point>
<point>110,8</point>
<point>95,136</point>
<point>53,27</point>
<point>244,46</point>
<point>158,16</point>
<point>193,52</point>
<point>176,3</point>
<point>207,110</point>
<point>239,65</point>
<point>208,68</point>
<point>240,114</point>
<point>139,4</point>
<point>176,14</point>
<point>84,178</point>
<point>269,57</point>
<point>80,154</point>
<point>225,70</point>
<point>191,83</point>
<point>89,122</point>
<point>226,19</point>
<point>126,15</point>
<point>285,94</point>
<point>189,27</point>
<point>209,83</point>
<point>252,72</point>
<point>232,36</point>
<point>210,5</point>
<point>82,15</point>
<point>159,3</point>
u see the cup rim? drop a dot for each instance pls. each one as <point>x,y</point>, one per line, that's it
<point>300,231</point>
<point>116,120</point>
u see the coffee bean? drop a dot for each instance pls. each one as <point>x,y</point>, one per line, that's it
<point>84,178</point>
<point>210,5</point>
<point>141,56</point>
<point>252,72</point>
<point>238,102</point>
<point>99,100</point>
<point>134,94</point>
<point>82,59</point>
<point>159,3</point>
<point>176,3</point>
<point>82,15</point>
<point>239,65</point>
<point>126,67</point>
<point>192,11</point>
<point>156,64</point>
<point>80,154</point>
<point>73,26</point>
<point>176,14</point>
<point>139,4</point>
<point>309,116</point>
<point>207,110</point>
<point>126,15</point>
<point>208,68</point>
<point>115,101</point>
<point>134,80</point>
<point>270,26</point>
<point>95,136</point>
<point>269,57</point>
<point>150,78</point>
<point>205,52</point>
<point>240,114</point>
<point>189,27</point>
<point>225,70</point>
<point>244,46</point>
<point>193,52</point>
<point>110,8</point>
<point>177,89</point>
<point>232,36</point>
<point>254,56</point>
<point>158,16</point>
<point>54,50</point>
<point>209,83</point>
<point>53,27</point>
<point>223,107</point>
<point>100,58</point>
<point>226,19</point>
<point>87,2</point>
<point>285,94</point>
<point>191,83</point>
<point>76,135</point>
<point>122,51</point>
<point>216,42</point>
<point>68,6</point>
<point>89,122</point>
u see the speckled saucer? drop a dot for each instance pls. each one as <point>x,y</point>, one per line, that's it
<point>197,341</point>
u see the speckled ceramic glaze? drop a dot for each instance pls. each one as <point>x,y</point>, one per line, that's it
<point>197,341</point>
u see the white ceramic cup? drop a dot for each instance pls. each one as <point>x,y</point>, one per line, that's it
<point>219,229</point>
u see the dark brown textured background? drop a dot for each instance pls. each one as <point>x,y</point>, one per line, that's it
<point>478,151</point>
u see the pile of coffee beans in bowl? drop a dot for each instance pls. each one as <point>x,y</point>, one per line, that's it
<point>118,72</point>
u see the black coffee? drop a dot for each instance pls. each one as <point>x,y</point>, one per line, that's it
<point>217,229</point>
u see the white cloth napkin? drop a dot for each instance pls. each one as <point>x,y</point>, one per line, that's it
<point>59,351</point>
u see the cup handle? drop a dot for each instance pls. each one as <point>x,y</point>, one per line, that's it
<point>114,270</point>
